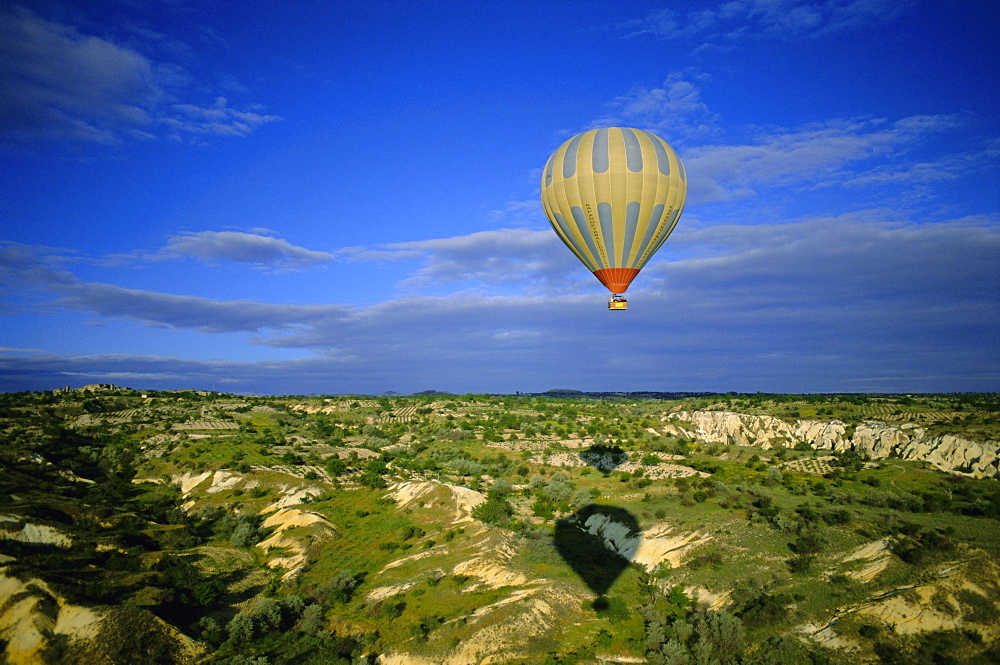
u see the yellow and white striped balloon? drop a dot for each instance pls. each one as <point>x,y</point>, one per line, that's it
<point>613,195</point>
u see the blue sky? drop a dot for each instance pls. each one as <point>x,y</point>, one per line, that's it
<point>332,197</point>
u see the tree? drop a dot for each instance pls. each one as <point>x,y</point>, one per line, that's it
<point>501,487</point>
<point>340,588</point>
<point>246,533</point>
<point>240,628</point>
<point>312,621</point>
<point>721,635</point>
<point>581,497</point>
<point>559,488</point>
<point>335,466</point>
<point>670,652</point>
<point>372,479</point>
<point>772,477</point>
<point>495,510</point>
<point>269,611</point>
<point>210,631</point>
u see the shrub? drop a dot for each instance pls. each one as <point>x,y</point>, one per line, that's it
<point>977,608</point>
<point>495,510</point>
<point>581,497</point>
<point>613,609</point>
<point>335,466</point>
<point>501,487</point>
<point>372,479</point>
<point>291,459</point>
<point>757,607</point>
<point>240,628</point>
<point>246,533</point>
<point>312,621</point>
<point>809,543</point>
<point>559,489</point>
<point>268,611</point>
<point>340,589</point>
<point>801,563</point>
<point>543,508</point>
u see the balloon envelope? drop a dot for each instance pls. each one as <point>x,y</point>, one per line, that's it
<point>613,195</point>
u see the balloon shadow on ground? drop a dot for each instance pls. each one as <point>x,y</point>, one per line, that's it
<point>593,559</point>
<point>604,458</point>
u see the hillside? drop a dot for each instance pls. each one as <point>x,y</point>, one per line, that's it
<point>197,527</point>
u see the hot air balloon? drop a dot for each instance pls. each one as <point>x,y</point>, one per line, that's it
<point>613,195</point>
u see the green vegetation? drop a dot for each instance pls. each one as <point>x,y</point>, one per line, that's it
<point>334,529</point>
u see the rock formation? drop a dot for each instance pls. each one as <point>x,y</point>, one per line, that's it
<point>873,438</point>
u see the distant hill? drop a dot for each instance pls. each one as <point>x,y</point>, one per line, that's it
<point>641,394</point>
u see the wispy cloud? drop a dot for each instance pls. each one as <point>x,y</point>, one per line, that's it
<point>493,262</point>
<point>248,248</point>
<point>675,110</point>
<point>852,299</point>
<point>219,119</point>
<point>837,152</point>
<point>732,163</point>
<point>60,84</point>
<point>732,21</point>
<point>258,249</point>
<point>23,272</point>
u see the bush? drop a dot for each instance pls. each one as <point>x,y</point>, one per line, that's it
<point>240,628</point>
<point>809,543</point>
<point>340,589</point>
<point>543,508</point>
<point>581,497</point>
<point>613,609</point>
<point>246,533</point>
<point>312,621</point>
<point>501,487</point>
<point>759,608</point>
<point>372,479</point>
<point>291,459</point>
<point>650,459</point>
<point>977,608</point>
<point>801,563</point>
<point>495,510</point>
<point>839,516</point>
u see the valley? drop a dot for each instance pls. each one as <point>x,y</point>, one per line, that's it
<point>202,527</point>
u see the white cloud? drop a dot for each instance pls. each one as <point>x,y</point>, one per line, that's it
<point>219,119</point>
<point>823,304</point>
<point>838,152</point>
<point>238,247</point>
<point>499,262</point>
<point>674,111</point>
<point>492,262</point>
<point>520,213</point>
<point>733,21</point>
<point>63,85</point>
<point>745,162</point>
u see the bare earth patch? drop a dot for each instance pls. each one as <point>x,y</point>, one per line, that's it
<point>284,520</point>
<point>877,557</point>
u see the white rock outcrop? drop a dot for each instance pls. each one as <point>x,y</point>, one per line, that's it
<point>291,541</point>
<point>873,438</point>
<point>649,548</point>
<point>12,528</point>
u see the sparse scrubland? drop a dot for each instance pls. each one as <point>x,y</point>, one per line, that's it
<point>197,527</point>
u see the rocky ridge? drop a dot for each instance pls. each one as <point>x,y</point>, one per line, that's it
<point>873,438</point>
